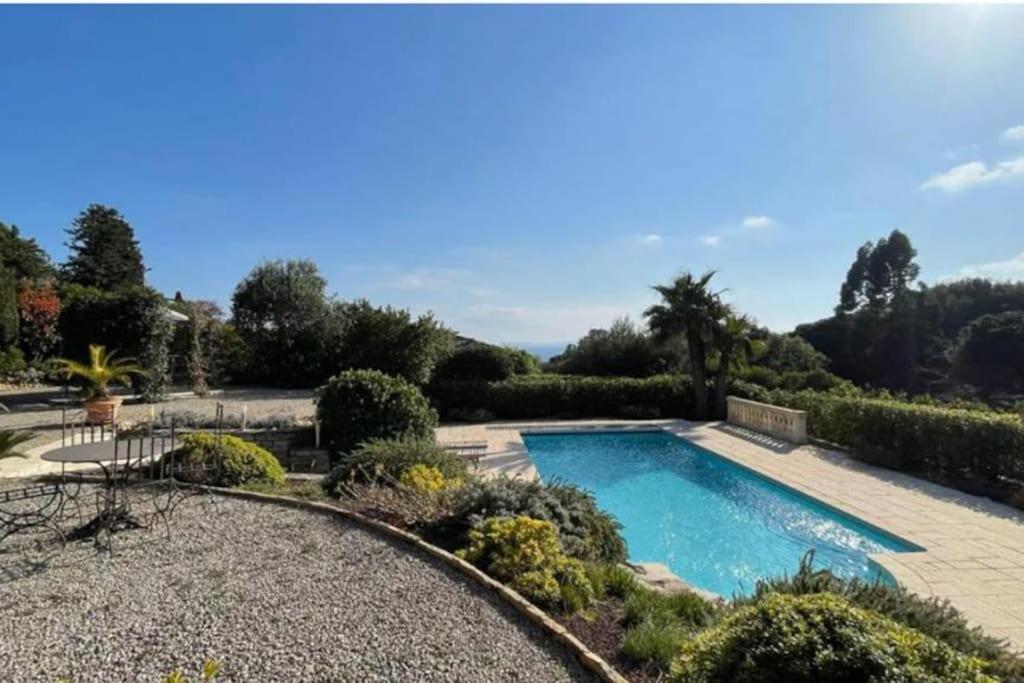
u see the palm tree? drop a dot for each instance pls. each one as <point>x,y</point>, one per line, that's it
<point>689,308</point>
<point>102,370</point>
<point>735,346</point>
<point>9,442</point>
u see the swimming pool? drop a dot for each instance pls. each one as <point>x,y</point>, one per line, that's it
<point>715,524</point>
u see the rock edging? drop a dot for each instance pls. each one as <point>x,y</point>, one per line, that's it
<point>586,657</point>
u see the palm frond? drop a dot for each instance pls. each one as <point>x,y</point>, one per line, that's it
<point>9,442</point>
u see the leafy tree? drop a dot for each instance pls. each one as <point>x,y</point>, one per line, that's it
<point>283,314</point>
<point>24,257</point>
<point>689,308</point>
<point>390,340</point>
<point>8,308</point>
<point>790,353</point>
<point>989,353</point>
<point>623,350</point>
<point>104,252</point>
<point>479,361</point>
<point>880,275</point>
<point>735,346</point>
<point>131,322</point>
<point>39,311</point>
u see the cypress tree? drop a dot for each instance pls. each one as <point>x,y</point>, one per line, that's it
<point>104,252</point>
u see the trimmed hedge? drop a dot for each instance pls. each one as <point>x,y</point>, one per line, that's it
<point>565,396</point>
<point>948,442</point>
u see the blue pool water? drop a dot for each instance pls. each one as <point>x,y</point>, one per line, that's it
<point>717,525</point>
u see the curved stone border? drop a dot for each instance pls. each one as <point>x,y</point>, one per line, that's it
<point>586,657</point>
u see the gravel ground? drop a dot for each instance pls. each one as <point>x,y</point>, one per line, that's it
<point>273,594</point>
<point>29,409</point>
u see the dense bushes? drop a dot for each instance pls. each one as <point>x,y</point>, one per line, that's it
<point>586,532</point>
<point>131,321</point>
<point>391,458</point>
<point>933,617</point>
<point>818,638</point>
<point>945,442</point>
<point>232,461</point>
<point>392,341</point>
<point>794,380</point>
<point>485,362</point>
<point>526,554</point>
<point>359,405</point>
<point>540,396</point>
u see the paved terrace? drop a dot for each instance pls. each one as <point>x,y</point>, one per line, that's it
<point>974,547</point>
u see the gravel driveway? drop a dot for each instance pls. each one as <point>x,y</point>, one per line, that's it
<point>272,593</point>
<point>29,408</point>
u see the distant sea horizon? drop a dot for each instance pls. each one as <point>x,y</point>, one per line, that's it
<point>543,350</point>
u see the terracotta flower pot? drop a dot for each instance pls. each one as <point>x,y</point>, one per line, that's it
<point>103,410</point>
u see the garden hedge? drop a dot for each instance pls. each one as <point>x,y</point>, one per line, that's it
<point>565,396</point>
<point>951,443</point>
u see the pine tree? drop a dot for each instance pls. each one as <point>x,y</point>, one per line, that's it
<point>104,252</point>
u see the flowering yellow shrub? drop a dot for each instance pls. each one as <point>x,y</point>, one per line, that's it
<point>526,554</point>
<point>428,479</point>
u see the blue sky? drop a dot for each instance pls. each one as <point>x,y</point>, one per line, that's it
<point>525,172</point>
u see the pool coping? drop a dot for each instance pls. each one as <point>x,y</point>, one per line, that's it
<point>973,548</point>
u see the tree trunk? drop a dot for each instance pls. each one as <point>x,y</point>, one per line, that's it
<point>699,374</point>
<point>722,384</point>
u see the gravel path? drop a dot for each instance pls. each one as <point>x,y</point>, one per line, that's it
<point>29,409</point>
<point>272,593</point>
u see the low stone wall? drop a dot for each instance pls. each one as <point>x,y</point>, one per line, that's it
<point>294,448</point>
<point>783,423</point>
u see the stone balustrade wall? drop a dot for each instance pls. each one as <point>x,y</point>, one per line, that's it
<point>784,423</point>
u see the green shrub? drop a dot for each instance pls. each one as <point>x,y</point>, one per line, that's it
<point>686,609</point>
<point>815,638</point>
<point>359,405</point>
<point>391,458</point>
<point>526,554</point>
<point>427,479</point>
<point>12,362</point>
<point>650,643</point>
<point>933,617</point>
<point>235,462</point>
<point>485,362</point>
<point>539,396</point>
<point>945,442</point>
<point>586,532</point>
<point>610,580</point>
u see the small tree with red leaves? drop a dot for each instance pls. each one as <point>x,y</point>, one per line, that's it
<point>39,310</point>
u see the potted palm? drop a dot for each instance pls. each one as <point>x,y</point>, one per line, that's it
<point>102,370</point>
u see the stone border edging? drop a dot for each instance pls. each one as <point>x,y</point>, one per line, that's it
<point>584,655</point>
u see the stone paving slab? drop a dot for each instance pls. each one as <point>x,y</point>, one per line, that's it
<point>973,547</point>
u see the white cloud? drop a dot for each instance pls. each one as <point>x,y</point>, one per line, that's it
<point>1014,134</point>
<point>974,173</point>
<point>710,240</point>
<point>757,222</point>
<point>649,239</point>
<point>1011,269</point>
<point>429,279</point>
